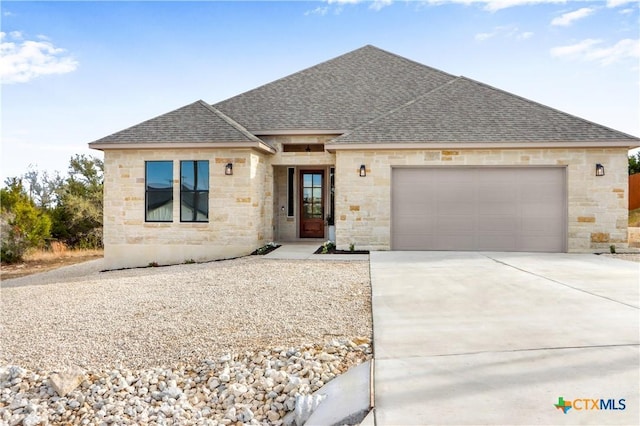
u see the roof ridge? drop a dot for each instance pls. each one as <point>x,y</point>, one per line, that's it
<point>394,110</point>
<point>410,60</point>
<point>335,58</point>
<point>230,121</point>
<point>539,104</point>
<point>287,76</point>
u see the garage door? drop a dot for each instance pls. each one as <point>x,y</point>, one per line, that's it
<point>479,208</point>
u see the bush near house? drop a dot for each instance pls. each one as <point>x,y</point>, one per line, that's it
<point>37,209</point>
<point>24,226</point>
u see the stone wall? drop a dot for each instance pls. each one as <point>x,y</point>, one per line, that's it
<point>240,212</point>
<point>597,206</point>
<point>634,237</point>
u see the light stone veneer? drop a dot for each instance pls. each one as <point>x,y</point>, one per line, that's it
<point>244,211</point>
<point>597,206</point>
<point>240,208</point>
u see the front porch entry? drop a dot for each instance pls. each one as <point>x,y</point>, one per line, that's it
<point>303,202</point>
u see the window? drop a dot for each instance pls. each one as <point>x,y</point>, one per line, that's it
<point>159,191</point>
<point>332,196</point>
<point>290,195</point>
<point>194,191</point>
<point>303,148</point>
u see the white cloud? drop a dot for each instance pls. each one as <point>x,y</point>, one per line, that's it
<point>375,4</point>
<point>574,49</point>
<point>507,31</point>
<point>490,5</point>
<point>626,11</point>
<point>8,13</point>
<point>484,36</point>
<point>616,3</point>
<point>525,36</point>
<point>344,1</point>
<point>379,4</point>
<point>495,5</point>
<point>24,60</point>
<point>568,18</point>
<point>591,50</point>
<point>337,6</point>
<point>317,11</point>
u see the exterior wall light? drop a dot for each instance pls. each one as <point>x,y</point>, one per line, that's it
<point>363,171</point>
<point>228,169</point>
<point>599,170</point>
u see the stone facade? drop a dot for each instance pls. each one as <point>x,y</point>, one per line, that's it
<point>596,212</point>
<point>245,209</point>
<point>240,208</point>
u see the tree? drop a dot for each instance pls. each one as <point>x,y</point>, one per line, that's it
<point>634,164</point>
<point>24,226</point>
<point>43,189</point>
<point>78,215</point>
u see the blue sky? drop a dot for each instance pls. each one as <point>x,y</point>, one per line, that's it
<point>73,72</point>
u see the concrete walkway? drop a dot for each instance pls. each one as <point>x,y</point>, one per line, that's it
<point>498,338</point>
<point>305,250</point>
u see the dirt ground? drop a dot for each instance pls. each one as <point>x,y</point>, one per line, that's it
<point>44,264</point>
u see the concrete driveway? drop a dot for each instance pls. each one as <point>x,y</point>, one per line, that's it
<point>498,338</point>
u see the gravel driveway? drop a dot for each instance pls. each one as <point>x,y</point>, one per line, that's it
<point>141,318</point>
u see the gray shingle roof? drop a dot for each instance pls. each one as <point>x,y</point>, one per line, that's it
<point>374,97</point>
<point>198,122</point>
<point>464,110</point>
<point>339,94</point>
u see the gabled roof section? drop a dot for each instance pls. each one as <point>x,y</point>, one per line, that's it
<point>466,111</point>
<point>195,123</point>
<point>336,95</point>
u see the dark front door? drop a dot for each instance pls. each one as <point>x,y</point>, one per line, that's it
<point>311,204</point>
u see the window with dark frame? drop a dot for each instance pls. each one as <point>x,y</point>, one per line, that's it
<point>332,198</point>
<point>158,191</point>
<point>290,194</point>
<point>194,191</point>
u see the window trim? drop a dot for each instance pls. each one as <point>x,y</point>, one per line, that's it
<point>195,191</point>
<point>146,192</point>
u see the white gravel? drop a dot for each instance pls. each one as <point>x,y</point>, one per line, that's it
<point>154,317</point>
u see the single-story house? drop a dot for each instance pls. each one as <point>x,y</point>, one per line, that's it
<point>399,155</point>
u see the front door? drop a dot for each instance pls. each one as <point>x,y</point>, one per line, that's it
<point>311,204</point>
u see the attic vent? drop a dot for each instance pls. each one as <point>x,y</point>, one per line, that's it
<point>303,148</point>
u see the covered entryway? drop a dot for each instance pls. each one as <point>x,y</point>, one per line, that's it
<point>479,208</point>
<point>303,202</point>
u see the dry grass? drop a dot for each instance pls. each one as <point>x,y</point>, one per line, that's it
<point>57,251</point>
<point>36,261</point>
<point>634,218</point>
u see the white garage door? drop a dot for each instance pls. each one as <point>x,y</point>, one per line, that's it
<point>479,208</point>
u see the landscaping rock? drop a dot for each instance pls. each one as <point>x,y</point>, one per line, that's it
<point>269,387</point>
<point>66,381</point>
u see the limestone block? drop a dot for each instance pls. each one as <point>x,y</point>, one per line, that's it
<point>600,237</point>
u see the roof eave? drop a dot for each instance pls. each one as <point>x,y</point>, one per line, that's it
<point>355,146</point>
<point>255,145</point>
